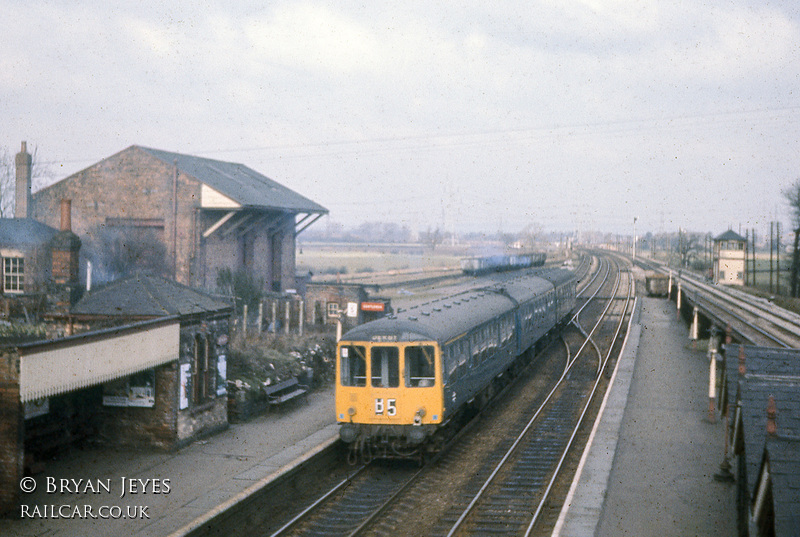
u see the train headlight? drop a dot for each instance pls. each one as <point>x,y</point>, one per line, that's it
<point>351,411</point>
<point>418,416</point>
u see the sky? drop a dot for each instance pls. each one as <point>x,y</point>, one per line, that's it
<point>467,116</point>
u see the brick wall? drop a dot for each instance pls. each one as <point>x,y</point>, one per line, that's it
<point>130,184</point>
<point>147,427</point>
<point>135,188</point>
<point>11,432</point>
<point>129,189</point>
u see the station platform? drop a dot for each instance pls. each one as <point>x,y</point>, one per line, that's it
<point>204,477</point>
<point>649,470</point>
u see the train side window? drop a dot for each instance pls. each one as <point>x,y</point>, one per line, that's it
<point>385,367</point>
<point>353,366</point>
<point>449,354</point>
<point>420,370</point>
<point>463,354</point>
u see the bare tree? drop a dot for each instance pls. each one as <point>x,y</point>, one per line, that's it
<point>41,175</point>
<point>7,176</point>
<point>432,238</point>
<point>792,196</point>
<point>118,252</point>
<point>689,248</point>
<point>530,235</point>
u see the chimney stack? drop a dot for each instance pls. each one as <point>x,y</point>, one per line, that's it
<point>24,198</point>
<point>66,215</point>
<point>772,411</point>
<point>65,247</point>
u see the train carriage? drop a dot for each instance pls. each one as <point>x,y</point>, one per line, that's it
<point>401,379</point>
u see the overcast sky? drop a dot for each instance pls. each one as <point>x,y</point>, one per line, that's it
<point>473,115</point>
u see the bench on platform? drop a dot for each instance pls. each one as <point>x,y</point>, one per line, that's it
<point>285,391</point>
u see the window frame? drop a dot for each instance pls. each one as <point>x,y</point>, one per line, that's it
<point>17,275</point>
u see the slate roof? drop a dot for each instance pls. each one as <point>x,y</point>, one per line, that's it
<point>754,397</point>
<point>730,235</point>
<point>143,295</point>
<point>24,232</point>
<point>783,455</point>
<point>240,183</point>
<point>768,371</point>
<point>761,361</point>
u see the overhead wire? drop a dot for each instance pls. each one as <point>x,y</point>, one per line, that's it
<point>492,137</point>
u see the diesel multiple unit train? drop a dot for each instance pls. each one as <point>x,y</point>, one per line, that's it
<point>403,382</point>
<point>475,266</point>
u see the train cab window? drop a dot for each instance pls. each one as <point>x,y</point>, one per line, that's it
<point>353,366</point>
<point>420,370</point>
<point>385,367</point>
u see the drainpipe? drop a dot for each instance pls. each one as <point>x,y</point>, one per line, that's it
<point>175,222</point>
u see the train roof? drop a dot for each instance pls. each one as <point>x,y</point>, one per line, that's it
<point>557,276</point>
<point>450,317</point>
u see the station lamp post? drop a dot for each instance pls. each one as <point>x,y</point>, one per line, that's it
<point>634,236</point>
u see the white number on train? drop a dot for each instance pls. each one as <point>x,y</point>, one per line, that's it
<point>390,408</point>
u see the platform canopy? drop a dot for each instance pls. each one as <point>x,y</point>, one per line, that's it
<point>60,366</point>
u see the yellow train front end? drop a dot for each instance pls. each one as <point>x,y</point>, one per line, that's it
<point>389,396</point>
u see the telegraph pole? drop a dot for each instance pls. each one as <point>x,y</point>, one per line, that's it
<point>771,247</point>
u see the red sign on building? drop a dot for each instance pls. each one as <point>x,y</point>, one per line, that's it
<point>373,306</point>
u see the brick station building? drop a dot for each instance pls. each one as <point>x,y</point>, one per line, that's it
<point>160,382</point>
<point>207,214</point>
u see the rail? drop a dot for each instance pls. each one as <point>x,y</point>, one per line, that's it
<point>776,325</point>
<point>520,441</point>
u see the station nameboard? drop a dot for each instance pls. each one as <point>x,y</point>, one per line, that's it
<point>373,306</point>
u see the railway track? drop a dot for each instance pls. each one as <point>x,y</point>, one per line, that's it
<point>757,320</point>
<point>510,461</point>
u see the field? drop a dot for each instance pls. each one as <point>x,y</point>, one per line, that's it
<point>328,259</point>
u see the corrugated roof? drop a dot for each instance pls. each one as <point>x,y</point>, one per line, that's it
<point>240,183</point>
<point>24,231</point>
<point>143,295</point>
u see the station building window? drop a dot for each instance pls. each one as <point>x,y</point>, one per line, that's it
<point>333,309</point>
<point>13,274</point>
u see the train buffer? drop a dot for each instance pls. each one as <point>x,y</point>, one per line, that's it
<point>285,391</point>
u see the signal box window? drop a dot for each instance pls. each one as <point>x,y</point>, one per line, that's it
<point>13,274</point>
<point>385,367</point>
<point>420,367</point>
<point>353,366</point>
